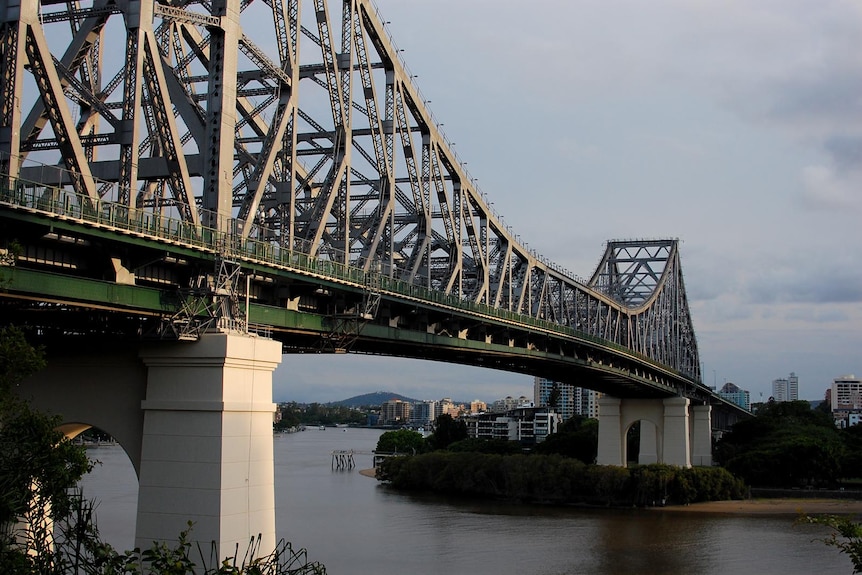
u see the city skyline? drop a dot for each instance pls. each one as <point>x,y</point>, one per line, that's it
<point>735,127</point>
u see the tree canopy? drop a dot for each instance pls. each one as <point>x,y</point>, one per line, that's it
<point>577,437</point>
<point>401,441</point>
<point>447,430</point>
<point>787,445</point>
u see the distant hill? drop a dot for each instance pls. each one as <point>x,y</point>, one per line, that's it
<point>375,398</point>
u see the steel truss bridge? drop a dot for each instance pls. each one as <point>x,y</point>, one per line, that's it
<point>167,166</point>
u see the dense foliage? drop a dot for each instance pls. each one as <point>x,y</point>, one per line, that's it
<point>447,430</point>
<point>498,446</point>
<point>577,437</point>
<point>401,441</point>
<point>39,464</point>
<point>295,414</point>
<point>557,479</point>
<point>788,445</point>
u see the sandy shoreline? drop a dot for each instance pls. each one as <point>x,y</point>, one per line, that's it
<point>755,506</point>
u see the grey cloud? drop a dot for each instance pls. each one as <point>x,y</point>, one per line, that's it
<point>844,286</point>
<point>845,150</point>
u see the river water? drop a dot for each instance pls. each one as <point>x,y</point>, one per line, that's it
<point>355,526</point>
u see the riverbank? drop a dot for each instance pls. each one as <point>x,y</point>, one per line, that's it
<point>772,507</point>
<point>780,506</point>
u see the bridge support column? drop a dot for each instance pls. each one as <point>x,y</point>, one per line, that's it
<point>701,435</point>
<point>649,442</point>
<point>676,443</point>
<point>207,451</point>
<point>665,430</point>
<point>611,438</point>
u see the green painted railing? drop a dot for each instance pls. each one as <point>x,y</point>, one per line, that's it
<point>67,204</point>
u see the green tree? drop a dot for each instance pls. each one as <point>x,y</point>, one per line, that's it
<point>846,537</point>
<point>787,445</point>
<point>447,430</point>
<point>851,465</point>
<point>38,465</point>
<point>477,445</point>
<point>577,437</point>
<point>18,360</point>
<point>401,441</point>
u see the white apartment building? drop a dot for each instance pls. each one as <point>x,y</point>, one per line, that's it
<point>786,389</point>
<point>528,425</point>
<point>846,393</point>
<point>424,412</point>
<point>573,400</point>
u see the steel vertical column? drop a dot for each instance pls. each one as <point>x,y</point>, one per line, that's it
<point>218,153</point>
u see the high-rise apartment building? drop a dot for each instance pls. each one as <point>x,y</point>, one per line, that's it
<point>587,402</point>
<point>733,393</point>
<point>395,411</point>
<point>786,389</point>
<point>572,400</point>
<point>424,412</point>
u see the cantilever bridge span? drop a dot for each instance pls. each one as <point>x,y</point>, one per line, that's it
<point>272,163</point>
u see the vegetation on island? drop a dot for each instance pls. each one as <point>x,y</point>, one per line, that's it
<point>559,471</point>
<point>788,445</point>
<point>48,528</point>
<point>557,479</point>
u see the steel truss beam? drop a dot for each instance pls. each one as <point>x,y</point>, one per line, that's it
<point>323,147</point>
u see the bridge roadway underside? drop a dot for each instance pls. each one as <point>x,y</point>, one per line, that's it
<point>48,305</point>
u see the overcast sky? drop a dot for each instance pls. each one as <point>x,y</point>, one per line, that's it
<point>735,126</point>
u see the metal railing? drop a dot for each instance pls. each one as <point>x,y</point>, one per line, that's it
<point>66,204</point>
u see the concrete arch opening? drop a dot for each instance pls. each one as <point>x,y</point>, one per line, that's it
<point>672,431</point>
<point>643,442</point>
<point>112,484</point>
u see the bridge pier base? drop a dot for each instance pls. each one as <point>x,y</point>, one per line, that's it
<point>649,442</point>
<point>207,449</point>
<point>672,431</point>
<point>701,435</point>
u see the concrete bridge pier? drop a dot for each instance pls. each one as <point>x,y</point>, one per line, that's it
<point>195,419</point>
<point>207,450</point>
<point>701,435</point>
<point>672,431</point>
